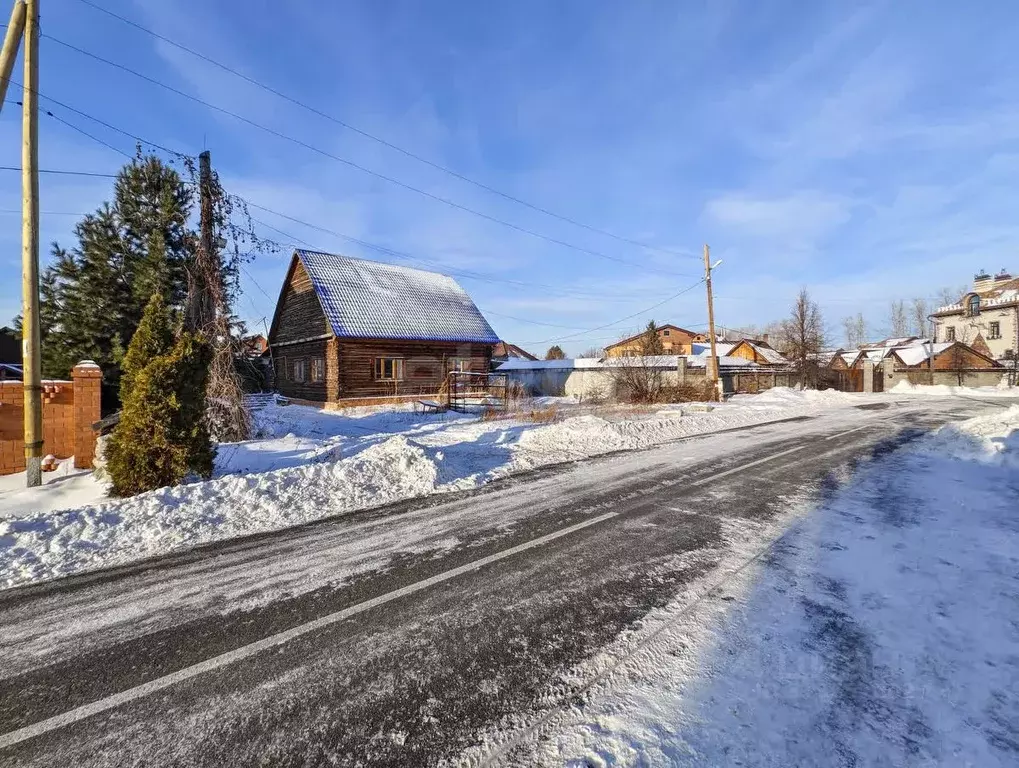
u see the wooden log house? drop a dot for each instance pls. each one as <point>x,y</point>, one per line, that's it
<point>350,331</point>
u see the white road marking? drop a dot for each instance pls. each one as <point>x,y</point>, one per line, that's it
<point>847,432</point>
<point>77,714</point>
<point>747,466</point>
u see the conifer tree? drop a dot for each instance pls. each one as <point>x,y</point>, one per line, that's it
<point>162,436</point>
<point>94,295</point>
<point>153,338</point>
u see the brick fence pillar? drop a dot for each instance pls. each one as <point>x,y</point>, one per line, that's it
<point>87,377</point>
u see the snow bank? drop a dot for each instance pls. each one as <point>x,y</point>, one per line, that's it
<point>318,464</point>
<point>991,439</point>
<point>44,545</point>
<point>944,390</point>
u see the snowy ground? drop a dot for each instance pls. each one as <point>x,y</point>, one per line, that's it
<point>308,464</point>
<point>881,629</point>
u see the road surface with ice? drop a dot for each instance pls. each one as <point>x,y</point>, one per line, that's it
<point>467,629</point>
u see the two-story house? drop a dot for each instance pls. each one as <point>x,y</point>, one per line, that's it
<point>675,341</point>
<point>986,316</point>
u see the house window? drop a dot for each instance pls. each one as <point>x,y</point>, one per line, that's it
<point>665,333</point>
<point>388,368</point>
<point>950,333</point>
<point>973,306</point>
<point>299,370</point>
<point>995,331</point>
<point>281,366</point>
<point>318,369</point>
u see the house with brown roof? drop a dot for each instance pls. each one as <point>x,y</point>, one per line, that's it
<point>943,362</point>
<point>504,351</point>
<point>986,317</point>
<point>675,341</point>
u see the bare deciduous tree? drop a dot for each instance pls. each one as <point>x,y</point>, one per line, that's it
<point>856,330</point>
<point>898,320</point>
<point>593,352</point>
<point>919,311</point>
<point>803,335</point>
<point>638,377</point>
<point>555,352</point>
<point>950,295</point>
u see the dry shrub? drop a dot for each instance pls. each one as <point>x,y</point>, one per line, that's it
<point>687,393</point>
<point>534,415</point>
<point>543,415</point>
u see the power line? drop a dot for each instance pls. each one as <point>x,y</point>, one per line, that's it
<point>62,173</point>
<point>44,213</point>
<point>431,263</point>
<point>105,124</point>
<point>622,319</point>
<point>352,164</point>
<point>383,142</point>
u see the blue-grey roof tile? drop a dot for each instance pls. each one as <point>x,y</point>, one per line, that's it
<point>372,300</point>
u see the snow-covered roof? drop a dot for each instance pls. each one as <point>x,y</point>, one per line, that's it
<point>517,364</point>
<point>722,348</point>
<point>651,361</point>
<point>768,352</point>
<point>369,299</point>
<point>893,342</point>
<point>918,353</point>
<point>1004,293</point>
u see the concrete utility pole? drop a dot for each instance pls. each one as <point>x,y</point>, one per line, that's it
<point>31,336</point>
<point>713,365</point>
<point>12,40</point>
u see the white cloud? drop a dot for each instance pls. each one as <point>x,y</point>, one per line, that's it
<point>797,220</point>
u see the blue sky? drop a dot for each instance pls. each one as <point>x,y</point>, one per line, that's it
<point>866,151</point>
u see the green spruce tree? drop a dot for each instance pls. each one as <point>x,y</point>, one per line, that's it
<point>94,295</point>
<point>162,436</point>
<point>153,338</point>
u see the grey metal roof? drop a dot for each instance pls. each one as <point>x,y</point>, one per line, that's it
<point>371,300</point>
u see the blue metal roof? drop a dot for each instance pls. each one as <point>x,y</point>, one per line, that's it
<point>372,300</point>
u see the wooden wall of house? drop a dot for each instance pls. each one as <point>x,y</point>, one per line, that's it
<point>425,364</point>
<point>958,356</point>
<point>300,314</point>
<point>746,352</point>
<point>286,355</point>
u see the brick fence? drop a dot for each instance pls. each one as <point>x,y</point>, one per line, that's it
<point>69,408</point>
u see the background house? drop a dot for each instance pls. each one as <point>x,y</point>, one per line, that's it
<point>945,362</point>
<point>986,317</point>
<point>348,329</point>
<point>675,341</point>
<point>755,351</point>
<point>504,351</point>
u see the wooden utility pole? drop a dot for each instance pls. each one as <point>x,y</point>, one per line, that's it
<point>713,365</point>
<point>12,40</point>
<point>201,310</point>
<point>32,341</point>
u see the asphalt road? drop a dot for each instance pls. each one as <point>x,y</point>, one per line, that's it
<point>406,635</point>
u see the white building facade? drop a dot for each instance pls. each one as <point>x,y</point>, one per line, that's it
<point>989,312</point>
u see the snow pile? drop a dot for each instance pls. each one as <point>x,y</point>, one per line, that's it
<point>318,464</point>
<point>944,390</point>
<point>990,439</point>
<point>787,397</point>
<point>44,545</point>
